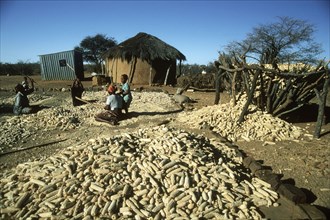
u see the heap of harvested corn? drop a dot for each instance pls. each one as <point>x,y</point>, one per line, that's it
<point>157,173</point>
<point>16,129</point>
<point>258,125</point>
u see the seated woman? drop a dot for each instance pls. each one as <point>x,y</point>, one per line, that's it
<point>113,107</point>
<point>21,105</point>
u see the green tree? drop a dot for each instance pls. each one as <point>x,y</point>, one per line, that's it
<point>20,68</point>
<point>93,47</point>
<point>288,40</point>
<point>210,68</point>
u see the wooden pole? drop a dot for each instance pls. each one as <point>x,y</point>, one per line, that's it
<point>117,78</point>
<point>150,73</point>
<point>262,96</point>
<point>250,96</point>
<point>217,86</point>
<point>133,70</point>
<point>111,71</point>
<point>102,68</point>
<point>167,72</point>
<point>233,88</point>
<point>130,71</point>
<point>322,103</point>
<point>180,68</point>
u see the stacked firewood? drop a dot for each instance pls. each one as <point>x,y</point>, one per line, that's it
<point>272,90</point>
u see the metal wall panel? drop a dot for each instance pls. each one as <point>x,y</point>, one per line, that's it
<point>51,69</point>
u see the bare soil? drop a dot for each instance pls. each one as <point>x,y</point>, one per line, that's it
<point>304,163</point>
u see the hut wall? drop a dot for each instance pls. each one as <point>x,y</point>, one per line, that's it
<point>51,69</point>
<point>141,72</point>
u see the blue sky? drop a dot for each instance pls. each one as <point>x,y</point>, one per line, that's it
<point>199,29</point>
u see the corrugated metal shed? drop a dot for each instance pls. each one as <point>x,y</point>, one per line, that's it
<point>52,70</point>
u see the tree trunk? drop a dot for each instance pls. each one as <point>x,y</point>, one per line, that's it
<point>217,86</point>
<point>250,96</point>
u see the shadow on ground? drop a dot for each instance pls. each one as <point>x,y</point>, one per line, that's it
<point>130,115</point>
<point>325,210</point>
<point>307,113</point>
<point>8,109</point>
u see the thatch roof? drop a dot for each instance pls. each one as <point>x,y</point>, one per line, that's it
<point>146,47</point>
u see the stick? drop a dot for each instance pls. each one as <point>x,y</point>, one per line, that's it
<point>87,102</point>
<point>250,96</point>
<point>32,80</point>
<point>201,90</point>
<point>41,101</point>
<point>35,146</point>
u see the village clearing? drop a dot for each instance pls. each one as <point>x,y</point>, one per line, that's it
<point>60,130</point>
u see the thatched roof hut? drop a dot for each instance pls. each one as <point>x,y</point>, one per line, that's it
<point>145,59</point>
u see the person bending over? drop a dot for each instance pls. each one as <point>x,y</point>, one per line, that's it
<point>77,89</point>
<point>21,105</point>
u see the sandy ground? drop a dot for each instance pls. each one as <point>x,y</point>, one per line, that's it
<point>304,162</point>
